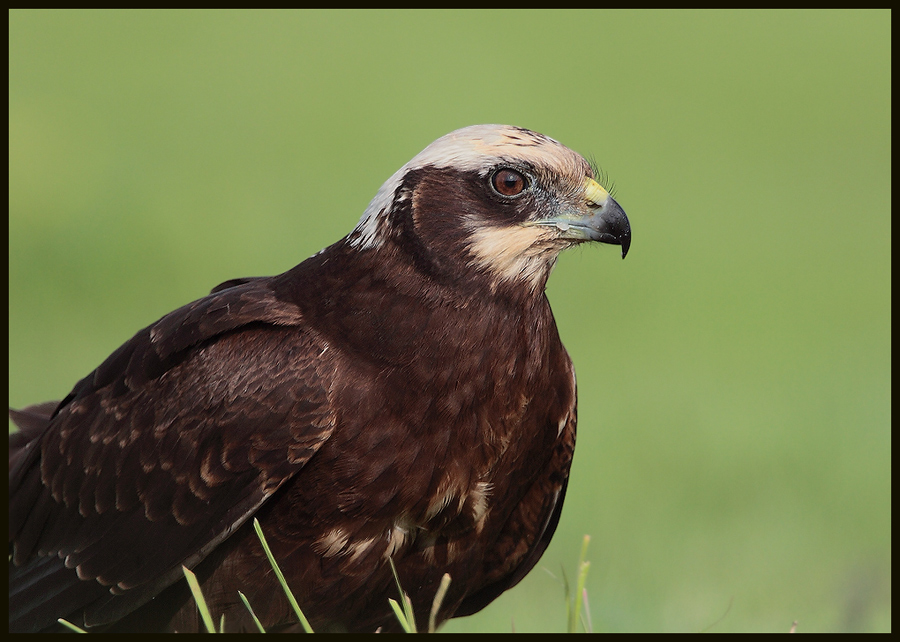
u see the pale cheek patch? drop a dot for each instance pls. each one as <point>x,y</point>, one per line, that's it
<point>516,253</point>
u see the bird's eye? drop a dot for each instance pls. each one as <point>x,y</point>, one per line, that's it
<point>508,182</point>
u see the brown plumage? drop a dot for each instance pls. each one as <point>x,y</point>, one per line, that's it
<point>402,394</point>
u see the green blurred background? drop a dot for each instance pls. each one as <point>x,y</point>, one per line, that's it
<point>733,465</point>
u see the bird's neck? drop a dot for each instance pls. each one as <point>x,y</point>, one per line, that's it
<point>385,308</point>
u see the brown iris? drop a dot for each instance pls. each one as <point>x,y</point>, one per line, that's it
<point>508,182</point>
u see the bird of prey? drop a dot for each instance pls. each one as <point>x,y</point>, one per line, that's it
<point>401,395</point>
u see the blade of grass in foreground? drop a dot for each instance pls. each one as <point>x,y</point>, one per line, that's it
<point>583,567</point>
<point>201,602</point>
<point>287,591</point>
<point>69,625</point>
<point>438,600</point>
<point>573,606</point>
<point>406,616</point>
<point>252,614</point>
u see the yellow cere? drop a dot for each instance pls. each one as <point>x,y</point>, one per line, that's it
<point>594,193</point>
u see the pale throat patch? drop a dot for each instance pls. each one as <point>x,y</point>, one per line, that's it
<point>516,252</point>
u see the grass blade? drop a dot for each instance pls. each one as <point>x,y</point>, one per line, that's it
<point>574,612</point>
<point>287,591</point>
<point>438,600</point>
<point>252,614</point>
<point>69,625</point>
<point>586,620</point>
<point>201,602</point>
<point>409,616</point>
<point>401,616</point>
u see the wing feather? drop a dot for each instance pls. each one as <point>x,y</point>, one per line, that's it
<point>161,453</point>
